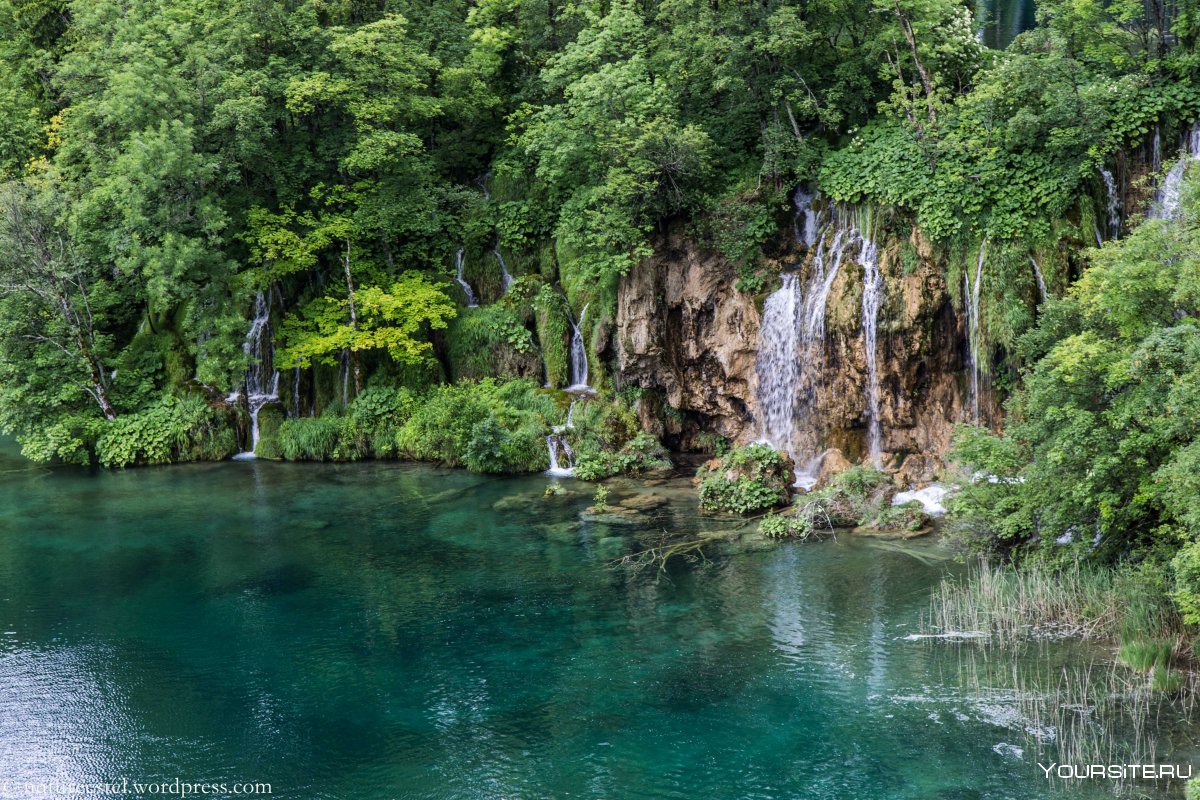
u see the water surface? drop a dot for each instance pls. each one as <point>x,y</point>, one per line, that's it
<point>383,631</point>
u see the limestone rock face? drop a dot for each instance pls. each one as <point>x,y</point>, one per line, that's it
<point>686,335</point>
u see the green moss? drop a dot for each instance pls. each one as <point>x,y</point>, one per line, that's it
<point>489,341</point>
<point>270,418</point>
<point>554,335</point>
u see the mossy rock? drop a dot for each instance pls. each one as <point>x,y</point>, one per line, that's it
<point>612,515</point>
<point>270,417</point>
<point>644,502</point>
<point>747,480</point>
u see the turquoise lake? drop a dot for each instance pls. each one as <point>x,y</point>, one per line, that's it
<point>373,631</point>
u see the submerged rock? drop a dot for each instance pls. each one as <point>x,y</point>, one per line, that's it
<point>644,502</point>
<point>612,515</point>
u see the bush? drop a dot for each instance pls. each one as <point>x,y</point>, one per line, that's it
<point>858,496</point>
<point>378,414</point>
<point>309,438</point>
<point>490,340</point>
<point>173,429</point>
<point>1186,566</point>
<point>642,453</point>
<point>485,426</point>
<point>749,479</point>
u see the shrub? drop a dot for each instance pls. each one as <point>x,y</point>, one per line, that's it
<point>487,341</point>
<point>378,414</point>
<point>642,453</point>
<point>309,438</point>
<point>1186,566</point>
<point>174,429</point>
<point>751,478</point>
<point>862,495</point>
<point>485,426</point>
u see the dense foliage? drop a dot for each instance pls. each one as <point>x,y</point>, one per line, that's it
<point>165,163</point>
<point>1100,453</point>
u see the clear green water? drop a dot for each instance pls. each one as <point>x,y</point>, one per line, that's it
<point>376,631</point>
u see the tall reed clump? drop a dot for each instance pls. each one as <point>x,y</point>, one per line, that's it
<point>1076,713</point>
<point>1009,605</point>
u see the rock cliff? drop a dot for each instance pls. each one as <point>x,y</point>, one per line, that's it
<point>691,341</point>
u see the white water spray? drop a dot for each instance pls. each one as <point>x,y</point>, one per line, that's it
<point>872,299</point>
<point>1041,281</point>
<point>556,444</point>
<point>504,276</point>
<point>262,381</point>
<point>459,266</point>
<point>1166,199</point>
<point>971,303</point>
<point>1112,204</point>
<point>579,362</point>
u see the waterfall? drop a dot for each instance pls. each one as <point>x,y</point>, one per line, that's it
<point>778,365</point>
<point>1113,204</point>
<point>1166,199</point>
<point>791,349</point>
<point>262,380</point>
<point>579,363</point>
<point>802,200</point>
<point>296,392</point>
<point>1156,149</point>
<point>825,270</point>
<point>462,281</point>
<point>504,276</point>
<point>554,443</point>
<point>971,303</point>
<point>571,413</point>
<point>1041,281</point>
<point>872,299</point>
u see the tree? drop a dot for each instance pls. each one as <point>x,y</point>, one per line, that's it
<point>390,320</point>
<point>48,292</point>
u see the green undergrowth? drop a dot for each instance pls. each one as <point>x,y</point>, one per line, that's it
<point>749,479</point>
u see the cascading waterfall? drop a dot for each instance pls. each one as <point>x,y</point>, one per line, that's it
<point>459,266</point>
<point>1112,204</point>
<point>504,276</point>
<point>262,380</point>
<point>554,444</point>
<point>1166,199</point>
<point>802,200</point>
<point>971,303</point>
<point>791,350</point>
<point>1156,149</point>
<point>778,365</point>
<point>579,362</point>
<point>1041,281</point>
<point>872,299</point>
